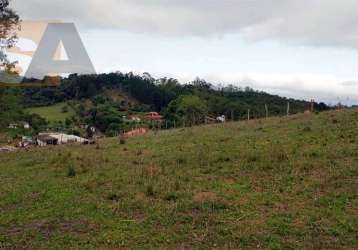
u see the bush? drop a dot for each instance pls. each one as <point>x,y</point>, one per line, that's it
<point>122,140</point>
<point>113,197</point>
<point>71,171</point>
<point>171,197</point>
<point>64,109</point>
<point>253,157</point>
<point>150,191</point>
<point>68,122</point>
<point>307,129</point>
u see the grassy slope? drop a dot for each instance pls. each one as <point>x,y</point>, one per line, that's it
<point>281,183</point>
<point>53,113</point>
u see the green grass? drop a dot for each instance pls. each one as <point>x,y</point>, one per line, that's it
<point>53,113</point>
<point>271,184</point>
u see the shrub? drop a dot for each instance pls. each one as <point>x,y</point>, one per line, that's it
<point>277,153</point>
<point>253,158</point>
<point>122,140</point>
<point>177,185</point>
<point>314,154</point>
<point>150,191</point>
<point>71,171</point>
<point>307,129</point>
<point>113,197</point>
<point>171,197</point>
<point>64,109</point>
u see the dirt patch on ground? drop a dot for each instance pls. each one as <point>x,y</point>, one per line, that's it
<point>230,181</point>
<point>139,196</point>
<point>152,170</point>
<point>205,196</point>
<point>46,229</point>
<point>138,215</point>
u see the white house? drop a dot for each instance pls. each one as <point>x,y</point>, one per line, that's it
<point>221,118</point>
<point>26,125</point>
<point>136,119</point>
<point>12,126</point>
<point>44,139</point>
<point>64,138</point>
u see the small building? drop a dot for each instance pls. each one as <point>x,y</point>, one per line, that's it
<point>64,138</point>
<point>25,142</point>
<point>153,116</point>
<point>221,119</point>
<point>12,126</point>
<point>26,125</point>
<point>45,140</point>
<point>84,126</point>
<point>135,119</point>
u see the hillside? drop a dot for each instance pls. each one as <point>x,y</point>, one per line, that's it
<point>281,183</point>
<point>55,113</point>
<point>106,101</point>
<point>147,93</point>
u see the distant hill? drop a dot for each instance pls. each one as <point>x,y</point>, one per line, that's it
<point>102,100</point>
<point>159,92</point>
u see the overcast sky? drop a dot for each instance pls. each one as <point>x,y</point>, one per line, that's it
<point>297,48</point>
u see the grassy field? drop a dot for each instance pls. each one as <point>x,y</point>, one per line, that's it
<point>53,113</point>
<point>281,183</point>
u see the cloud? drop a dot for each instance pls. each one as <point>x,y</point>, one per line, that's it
<point>321,88</point>
<point>350,84</point>
<point>312,22</point>
<point>299,22</point>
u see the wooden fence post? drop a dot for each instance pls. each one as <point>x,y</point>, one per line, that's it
<point>288,108</point>
<point>266,109</point>
<point>312,105</point>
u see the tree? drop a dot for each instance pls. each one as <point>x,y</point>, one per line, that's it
<point>190,108</point>
<point>8,25</point>
<point>10,107</point>
<point>36,122</point>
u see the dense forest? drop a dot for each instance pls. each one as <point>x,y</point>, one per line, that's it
<point>190,102</point>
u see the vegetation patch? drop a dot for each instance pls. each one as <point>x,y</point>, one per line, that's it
<point>209,187</point>
<point>55,113</point>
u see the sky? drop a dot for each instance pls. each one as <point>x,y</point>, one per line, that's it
<point>296,48</point>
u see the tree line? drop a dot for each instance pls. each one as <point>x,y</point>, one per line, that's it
<point>190,103</point>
